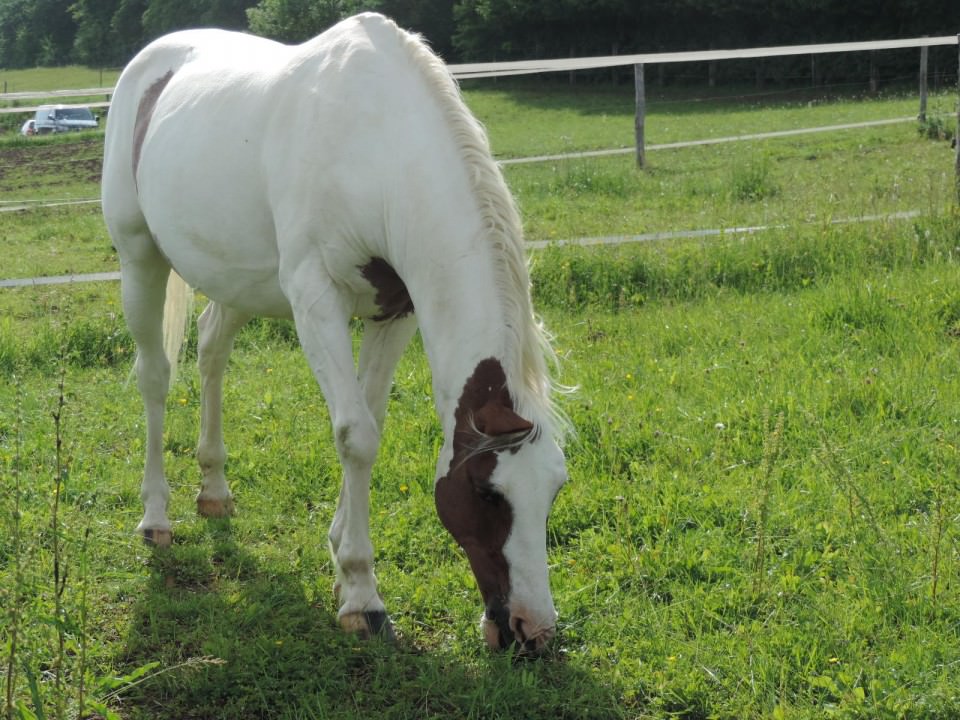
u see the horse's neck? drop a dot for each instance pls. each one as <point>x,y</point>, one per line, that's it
<point>462,323</point>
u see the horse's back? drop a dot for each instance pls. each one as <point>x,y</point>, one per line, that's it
<point>135,100</point>
<point>224,146</point>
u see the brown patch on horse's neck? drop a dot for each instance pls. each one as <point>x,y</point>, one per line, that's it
<point>479,518</point>
<point>485,405</point>
<point>393,298</point>
<point>144,113</point>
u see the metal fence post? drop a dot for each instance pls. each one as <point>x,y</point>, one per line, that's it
<point>640,118</point>
<point>924,54</point>
<point>956,137</point>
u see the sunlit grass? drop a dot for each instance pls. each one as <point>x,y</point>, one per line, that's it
<point>807,179</point>
<point>554,119</point>
<point>57,78</point>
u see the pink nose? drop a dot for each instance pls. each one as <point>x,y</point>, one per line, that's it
<point>529,638</point>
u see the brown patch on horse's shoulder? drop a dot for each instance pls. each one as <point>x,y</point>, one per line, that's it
<point>393,298</point>
<point>144,113</point>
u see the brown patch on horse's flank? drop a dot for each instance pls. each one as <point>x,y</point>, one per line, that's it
<point>392,295</point>
<point>478,517</point>
<point>144,113</point>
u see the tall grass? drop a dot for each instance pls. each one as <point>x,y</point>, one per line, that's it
<point>627,276</point>
<point>576,278</point>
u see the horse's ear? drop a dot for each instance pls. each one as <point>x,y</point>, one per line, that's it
<point>496,419</point>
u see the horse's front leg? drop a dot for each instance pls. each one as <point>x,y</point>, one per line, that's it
<point>217,327</point>
<point>383,344</point>
<point>322,319</point>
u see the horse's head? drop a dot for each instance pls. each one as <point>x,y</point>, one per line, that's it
<point>494,497</point>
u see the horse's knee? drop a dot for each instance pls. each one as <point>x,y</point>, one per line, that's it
<point>211,455</point>
<point>357,439</point>
<point>153,376</point>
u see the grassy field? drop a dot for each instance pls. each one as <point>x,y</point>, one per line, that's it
<point>762,519</point>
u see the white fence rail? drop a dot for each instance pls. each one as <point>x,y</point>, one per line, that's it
<point>526,67</point>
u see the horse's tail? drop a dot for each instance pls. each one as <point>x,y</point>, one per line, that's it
<point>177,311</point>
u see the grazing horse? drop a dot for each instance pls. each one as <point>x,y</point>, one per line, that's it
<point>341,178</point>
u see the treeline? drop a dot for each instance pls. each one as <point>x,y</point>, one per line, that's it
<point>108,32</point>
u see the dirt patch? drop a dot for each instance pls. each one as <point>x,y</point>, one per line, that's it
<point>51,164</point>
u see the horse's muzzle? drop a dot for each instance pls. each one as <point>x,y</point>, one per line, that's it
<point>503,631</point>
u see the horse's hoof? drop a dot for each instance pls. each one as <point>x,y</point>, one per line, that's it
<point>369,624</point>
<point>157,538</point>
<point>214,508</point>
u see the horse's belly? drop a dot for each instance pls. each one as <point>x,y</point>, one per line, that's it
<point>227,262</point>
<point>249,291</point>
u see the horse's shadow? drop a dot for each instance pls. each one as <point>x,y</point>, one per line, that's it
<point>237,641</point>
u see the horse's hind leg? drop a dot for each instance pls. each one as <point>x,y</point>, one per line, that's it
<point>383,344</point>
<point>217,327</point>
<point>143,286</point>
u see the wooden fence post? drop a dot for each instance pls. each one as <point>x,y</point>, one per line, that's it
<point>924,54</point>
<point>640,118</point>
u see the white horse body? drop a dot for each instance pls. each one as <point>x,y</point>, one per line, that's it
<point>342,177</point>
<point>238,172</point>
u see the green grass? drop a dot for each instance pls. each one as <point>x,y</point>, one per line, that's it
<point>788,180</point>
<point>654,544</point>
<point>57,78</point>
<point>762,514</point>
<point>528,120</point>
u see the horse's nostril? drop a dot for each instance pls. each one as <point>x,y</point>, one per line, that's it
<point>521,636</point>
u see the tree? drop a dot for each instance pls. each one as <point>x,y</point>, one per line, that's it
<point>35,33</point>
<point>431,18</point>
<point>126,29</point>
<point>93,43</point>
<point>294,21</point>
<point>164,16</point>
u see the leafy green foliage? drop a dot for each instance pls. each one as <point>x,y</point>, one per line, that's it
<point>294,21</point>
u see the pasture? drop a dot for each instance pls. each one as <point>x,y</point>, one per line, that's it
<point>762,518</point>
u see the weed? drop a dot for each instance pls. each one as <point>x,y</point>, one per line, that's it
<point>8,347</point>
<point>586,179</point>
<point>763,490</point>
<point>752,180</point>
<point>937,127</point>
<point>16,551</point>
<point>59,567</point>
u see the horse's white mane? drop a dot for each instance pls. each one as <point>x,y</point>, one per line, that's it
<point>526,369</point>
